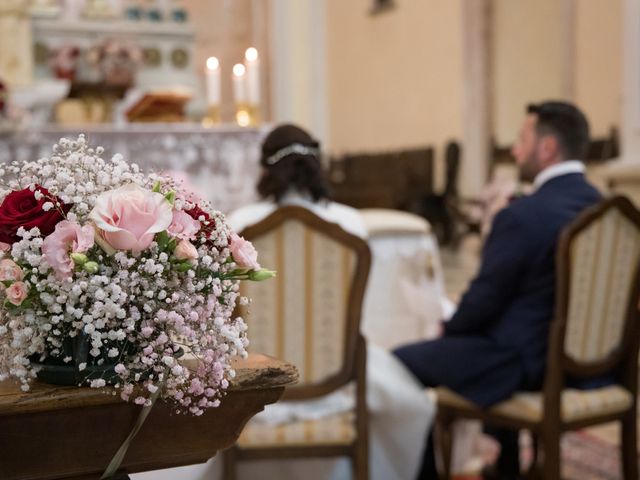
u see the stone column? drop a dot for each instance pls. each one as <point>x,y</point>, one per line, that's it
<point>624,174</point>
<point>568,36</point>
<point>16,57</point>
<point>298,82</point>
<point>476,17</point>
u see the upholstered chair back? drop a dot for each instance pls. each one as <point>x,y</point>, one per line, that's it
<point>309,314</point>
<point>604,257</point>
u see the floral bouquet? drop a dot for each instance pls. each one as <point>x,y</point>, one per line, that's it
<point>118,276</point>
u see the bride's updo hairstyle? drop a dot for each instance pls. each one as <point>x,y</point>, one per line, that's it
<point>291,161</point>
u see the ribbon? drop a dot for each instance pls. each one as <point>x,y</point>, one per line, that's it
<point>117,459</point>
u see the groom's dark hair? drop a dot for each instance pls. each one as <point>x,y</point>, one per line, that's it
<point>565,122</point>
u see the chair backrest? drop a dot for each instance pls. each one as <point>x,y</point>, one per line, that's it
<point>597,320</point>
<point>382,180</point>
<point>604,148</point>
<point>309,314</point>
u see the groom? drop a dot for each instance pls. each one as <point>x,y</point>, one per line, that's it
<point>496,343</point>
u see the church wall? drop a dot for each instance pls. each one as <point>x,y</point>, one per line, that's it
<point>529,51</point>
<point>598,69</point>
<point>526,63</point>
<point>394,79</point>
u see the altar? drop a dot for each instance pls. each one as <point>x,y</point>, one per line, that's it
<point>67,432</point>
<point>145,80</point>
<point>220,163</point>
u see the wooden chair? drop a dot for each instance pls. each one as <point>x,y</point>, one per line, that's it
<point>447,212</point>
<point>595,331</point>
<point>309,314</point>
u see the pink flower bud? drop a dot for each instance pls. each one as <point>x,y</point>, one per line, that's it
<point>10,271</point>
<point>185,251</point>
<point>244,254</point>
<point>17,292</point>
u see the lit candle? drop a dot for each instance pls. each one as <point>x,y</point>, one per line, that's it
<point>239,87</point>
<point>253,76</point>
<point>213,81</point>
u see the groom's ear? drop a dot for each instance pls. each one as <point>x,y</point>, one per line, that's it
<point>549,148</point>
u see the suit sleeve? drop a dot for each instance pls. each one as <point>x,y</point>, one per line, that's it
<point>504,261</point>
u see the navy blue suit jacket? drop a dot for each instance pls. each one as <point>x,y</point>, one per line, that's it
<point>511,300</point>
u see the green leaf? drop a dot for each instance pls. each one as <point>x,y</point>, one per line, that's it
<point>163,239</point>
<point>10,306</point>
<point>184,266</point>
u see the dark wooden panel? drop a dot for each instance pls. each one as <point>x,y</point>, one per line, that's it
<point>382,180</point>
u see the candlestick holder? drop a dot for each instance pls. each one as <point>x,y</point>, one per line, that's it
<point>212,117</point>
<point>247,115</point>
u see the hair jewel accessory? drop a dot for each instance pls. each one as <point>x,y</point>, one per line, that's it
<point>288,150</point>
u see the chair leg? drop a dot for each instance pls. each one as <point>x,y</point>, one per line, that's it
<point>629,445</point>
<point>444,434</point>
<point>360,461</point>
<point>551,450</point>
<point>229,464</point>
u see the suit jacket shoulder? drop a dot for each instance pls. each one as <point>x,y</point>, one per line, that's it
<point>518,258</point>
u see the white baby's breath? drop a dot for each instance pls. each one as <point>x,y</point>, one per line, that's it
<point>139,313</point>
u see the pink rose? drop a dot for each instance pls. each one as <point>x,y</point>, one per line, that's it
<point>185,251</point>
<point>129,217</point>
<point>244,254</point>
<point>17,292</point>
<point>10,271</point>
<point>4,247</point>
<point>183,226</point>
<point>68,237</point>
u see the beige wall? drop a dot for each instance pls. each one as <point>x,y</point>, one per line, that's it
<point>531,45</point>
<point>598,68</point>
<point>527,60</point>
<point>394,79</point>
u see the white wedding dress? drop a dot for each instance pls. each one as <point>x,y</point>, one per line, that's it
<point>400,411</point>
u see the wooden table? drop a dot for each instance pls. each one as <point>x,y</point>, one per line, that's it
<point>72,433</point>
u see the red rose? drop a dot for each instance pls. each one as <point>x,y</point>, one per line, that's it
<point>21,209</point>
<point>196,212</point>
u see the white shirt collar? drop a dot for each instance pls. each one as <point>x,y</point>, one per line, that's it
<point>296,197</point>
<point>557,170</point>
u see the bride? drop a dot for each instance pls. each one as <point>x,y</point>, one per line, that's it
<point>399,411</point>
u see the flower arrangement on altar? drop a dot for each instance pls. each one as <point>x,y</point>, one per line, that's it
<point>118,276</point>
<point>115,60</point>
<point>64,61</point>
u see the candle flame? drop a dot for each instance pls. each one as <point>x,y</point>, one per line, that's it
<point>238,70</point>
<point>212,63</point>
<point>251,54</point>
<point>243,118</point>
